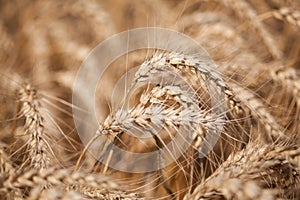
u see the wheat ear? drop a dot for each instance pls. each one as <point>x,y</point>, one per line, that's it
<point>257,165</point>
<point>56,177</point>
<point>288,78</point>
<point>37,144</point>
<point>288,14</point>
<point>55,193</point>
<point>260,113</point>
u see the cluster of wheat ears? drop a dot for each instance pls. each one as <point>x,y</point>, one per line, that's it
<point>255,46</point>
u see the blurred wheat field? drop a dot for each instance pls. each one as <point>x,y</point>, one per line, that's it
<point>256,48</point>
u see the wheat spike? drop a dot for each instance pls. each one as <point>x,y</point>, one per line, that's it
<point>288,78</point>
<point>263,163</point>
<point>259,112</point>
<point>37,144</point>
<point>65,185</point>
<point>92,193</point>
<point>290,15</point>
<point>194,70</point>
<point>172,107</point>
<point>79,191</point>
<point>53,194</point>
<point>231,188</point>
<point>56,177</point>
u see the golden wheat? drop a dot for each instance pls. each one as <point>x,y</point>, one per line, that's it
<point>248,96</point>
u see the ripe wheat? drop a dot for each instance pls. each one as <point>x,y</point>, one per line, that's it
<point>246,98</point>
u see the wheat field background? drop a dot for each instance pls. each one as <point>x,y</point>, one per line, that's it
<point>256,48</point>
